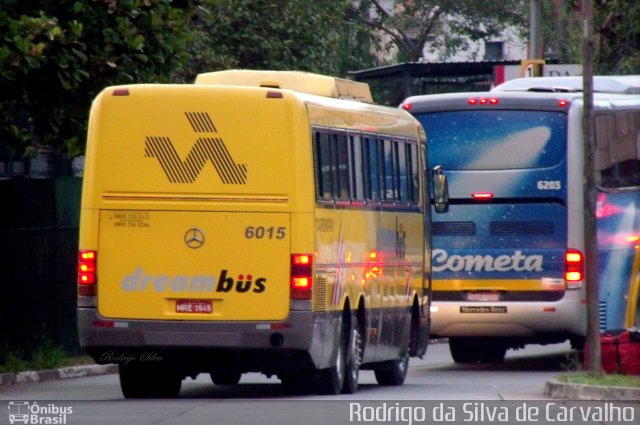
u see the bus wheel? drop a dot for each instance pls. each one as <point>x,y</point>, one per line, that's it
<point>477,350</point>
<point>393,372</point>
<point>352,369</point>
<point>142,381</point>
<point>226,376</point>
<point>298,383</point>
<point>492,354</point>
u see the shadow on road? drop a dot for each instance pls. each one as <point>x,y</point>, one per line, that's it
<point>559,362</point>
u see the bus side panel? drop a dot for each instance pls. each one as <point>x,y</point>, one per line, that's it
<point>618,230</point>
<point>376,257</point>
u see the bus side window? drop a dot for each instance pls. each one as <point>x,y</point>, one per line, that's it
<point>373,177</point>
<point>325,167</point>
<point>390,171</point>
<point>618,149</point>
<point>404,175</point>
<point>342,165</point>
<point>412,159</point>
<point>357,167</point>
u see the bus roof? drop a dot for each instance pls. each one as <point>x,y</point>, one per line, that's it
<point>303,82</point>
<point>622,84</point>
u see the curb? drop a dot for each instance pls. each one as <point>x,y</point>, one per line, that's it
<point>31,376</point>
<point>561,390</point>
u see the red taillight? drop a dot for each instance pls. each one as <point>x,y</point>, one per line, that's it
<point>574,268</point>
<point>407,106</point>
<point>563,103</point>
<point>483,101</point>
<point>87,260</point>
<point>604,209</point>
<point>482,196</point>
<point>301,276</point>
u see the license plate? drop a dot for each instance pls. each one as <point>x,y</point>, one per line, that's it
<point>483,296</point>
<point>194,306</point>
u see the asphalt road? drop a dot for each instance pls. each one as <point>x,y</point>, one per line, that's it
<point>436,390</point>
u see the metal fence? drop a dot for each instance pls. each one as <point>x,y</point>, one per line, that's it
<point>39,221</point>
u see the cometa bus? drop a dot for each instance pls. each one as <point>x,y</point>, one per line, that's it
<point>255,221</point>
<point>508,259</point>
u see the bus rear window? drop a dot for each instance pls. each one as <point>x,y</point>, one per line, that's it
<point>495,139</point>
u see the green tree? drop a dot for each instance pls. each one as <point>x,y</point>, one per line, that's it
<point>56,55</point>
<point>616,32</point>
<point>278,35</point>
<point>617,26</point>
<point>445,26</point>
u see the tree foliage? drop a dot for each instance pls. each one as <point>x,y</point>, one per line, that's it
<point>276,34</point>
<point>55,55</point>
<point>445,26</point>
<point>616,31</point>
<point>617,27</point>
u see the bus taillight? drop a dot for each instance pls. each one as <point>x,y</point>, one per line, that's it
<point>301,276</point>
<point>574,268</point>
<point>482,196</point>
<point>605,209</point>
<point>87,272</point>
<point>483,101</point>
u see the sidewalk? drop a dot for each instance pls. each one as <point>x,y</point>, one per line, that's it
<point>564,391</point>
<point>54,374</point>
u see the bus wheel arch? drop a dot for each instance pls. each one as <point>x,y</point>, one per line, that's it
<point>342,375</point>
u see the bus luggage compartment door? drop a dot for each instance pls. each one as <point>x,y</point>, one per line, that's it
<point>164,265</point>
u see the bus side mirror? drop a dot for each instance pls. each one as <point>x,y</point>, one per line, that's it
<point>440,190</point>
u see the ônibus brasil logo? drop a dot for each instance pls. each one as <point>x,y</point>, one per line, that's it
<point>205,149</point>
<point>33,413</point>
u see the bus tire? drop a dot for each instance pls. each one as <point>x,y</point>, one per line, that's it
<point>476,350</point>
<point>226,376</point>
<point>394,372</point>
<point>142,381</point>
<point>461,350</point>
<point>354,359</point>
<point>298,383</point>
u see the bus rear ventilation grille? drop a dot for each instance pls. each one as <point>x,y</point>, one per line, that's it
<point>454,228</point>
<point>521,228</point>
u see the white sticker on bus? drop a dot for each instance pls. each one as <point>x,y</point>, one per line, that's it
<point>442,261</point>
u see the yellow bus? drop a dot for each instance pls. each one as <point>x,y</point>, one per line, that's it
<point>255,221</point>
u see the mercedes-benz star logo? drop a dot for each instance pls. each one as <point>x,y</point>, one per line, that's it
<point>194,238</point>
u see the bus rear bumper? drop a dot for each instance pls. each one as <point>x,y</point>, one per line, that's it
<point>118,340</point>
<point>522,319</point>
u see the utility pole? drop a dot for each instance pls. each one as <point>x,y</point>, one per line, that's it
<point>590,231</point>
<point>535,33</point>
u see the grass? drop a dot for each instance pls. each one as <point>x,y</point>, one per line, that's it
<point>607,380</point>
<point>45,356</point>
